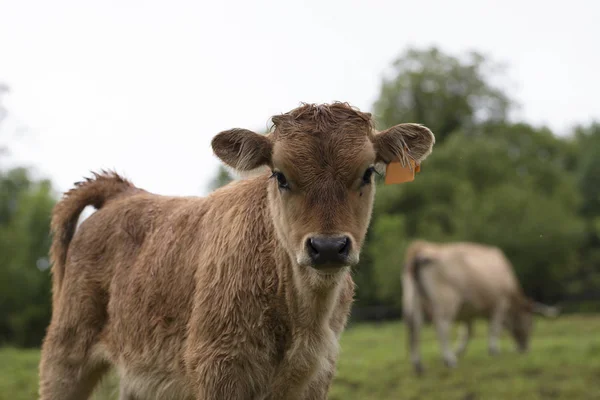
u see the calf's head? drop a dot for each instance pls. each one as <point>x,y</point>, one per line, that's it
<point>321,161</point>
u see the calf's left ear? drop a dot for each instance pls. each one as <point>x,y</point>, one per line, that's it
<point>403,142</point>
<point>242,149</point>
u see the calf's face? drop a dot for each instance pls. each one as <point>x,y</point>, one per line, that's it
<point>322,161</point>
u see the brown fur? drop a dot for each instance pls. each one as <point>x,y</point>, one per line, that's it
<point>464,281</point>
<point>213,298</point>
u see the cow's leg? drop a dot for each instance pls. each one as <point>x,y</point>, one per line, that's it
<point>414,323</point>
<point>69,367</point>
<point>67,371</point>
<point>495,329</point>
<point>466,334</point>
<point>442,327</point>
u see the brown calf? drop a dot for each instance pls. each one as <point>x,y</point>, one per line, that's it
<point>242,294</point>
<point>463,282</point>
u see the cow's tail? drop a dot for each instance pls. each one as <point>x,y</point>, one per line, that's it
<point>95,191</point>
<point>413,296</point>
<point>409,294</point>
<point>413,289</point>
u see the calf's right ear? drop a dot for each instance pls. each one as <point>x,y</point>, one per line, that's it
<point>242,149</point>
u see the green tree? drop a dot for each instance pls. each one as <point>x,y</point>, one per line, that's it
<point>441,91</point>
<point>587,280</point>
<point>222,178</point>
<point>588,139</point>
<point>489,181</point>
<point>25,208</point>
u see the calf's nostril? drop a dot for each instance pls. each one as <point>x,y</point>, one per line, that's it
<point>345,246</point>
<point>312,247</point>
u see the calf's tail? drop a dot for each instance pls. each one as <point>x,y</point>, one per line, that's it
<point>95,191</point>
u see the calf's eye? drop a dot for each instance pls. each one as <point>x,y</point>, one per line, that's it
<point>281,180</point>
<point>368,175</point>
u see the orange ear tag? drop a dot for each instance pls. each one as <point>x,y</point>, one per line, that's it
<point>396,173</point>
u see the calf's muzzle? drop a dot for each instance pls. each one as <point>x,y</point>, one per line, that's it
<point>329,250</point>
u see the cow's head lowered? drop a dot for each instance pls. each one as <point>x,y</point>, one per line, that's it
<point>520,320</point>
<point>322,159</point>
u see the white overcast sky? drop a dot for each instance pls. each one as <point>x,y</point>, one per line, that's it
<point>142,86</point>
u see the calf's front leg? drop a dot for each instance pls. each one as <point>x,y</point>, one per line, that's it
<point>306,375</point>
<point>292,381</point>
<point>319,386</point>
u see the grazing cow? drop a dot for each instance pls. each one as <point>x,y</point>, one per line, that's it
<point>464,282</point>
<point>242,294</point>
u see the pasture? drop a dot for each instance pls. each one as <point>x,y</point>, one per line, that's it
<point>564,363</point>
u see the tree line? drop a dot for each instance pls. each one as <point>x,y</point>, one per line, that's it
<point>520,187</point>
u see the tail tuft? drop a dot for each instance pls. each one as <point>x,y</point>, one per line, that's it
<point>95,191</point>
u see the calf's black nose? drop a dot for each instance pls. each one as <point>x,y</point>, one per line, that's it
<point>328,249</point>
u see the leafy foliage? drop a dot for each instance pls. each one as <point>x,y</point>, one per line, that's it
<point>489,180</point>
<point>442,92</point>
<point>25,207</point>
<point>222,178</point>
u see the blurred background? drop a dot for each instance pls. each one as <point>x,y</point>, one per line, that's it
<point>509,88</point>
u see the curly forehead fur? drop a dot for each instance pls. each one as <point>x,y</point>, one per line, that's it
<point>318,118</point>
<point>314,142</point>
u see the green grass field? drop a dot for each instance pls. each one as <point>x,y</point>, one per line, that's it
<point>564,363</point>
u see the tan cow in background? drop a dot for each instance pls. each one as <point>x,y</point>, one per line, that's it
<point>239,295</point>
<point>463,282</point>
